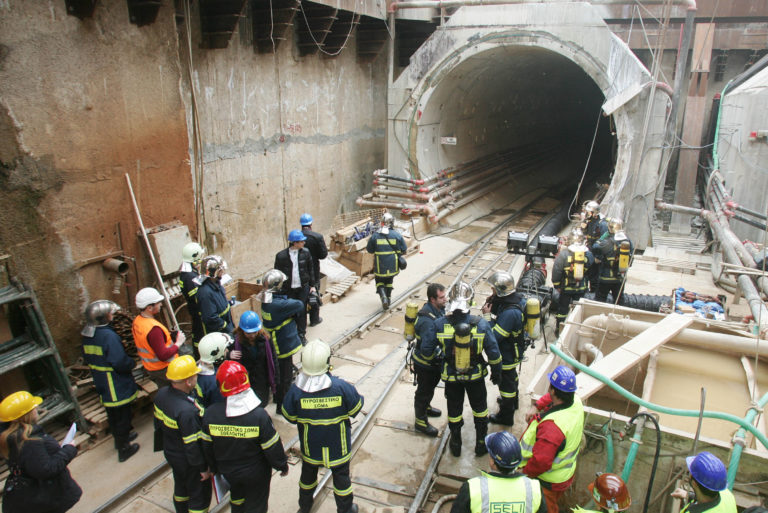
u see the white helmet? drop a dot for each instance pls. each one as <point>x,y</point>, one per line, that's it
<point>502,282</point>
<point>148,296</point>
<point>460,297</point>
<point>192,252</point>
<point>316,358</point>
<point>388,220</point>
<point>592,207</point>
<point>214,346</point>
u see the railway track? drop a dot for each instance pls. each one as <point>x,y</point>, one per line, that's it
<point>393,465</point>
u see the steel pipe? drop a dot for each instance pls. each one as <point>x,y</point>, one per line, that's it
<point>440,4</point>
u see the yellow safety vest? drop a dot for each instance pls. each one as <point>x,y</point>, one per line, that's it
<point>727,504</point>
<point>489,494</point>
<point>571,422</point>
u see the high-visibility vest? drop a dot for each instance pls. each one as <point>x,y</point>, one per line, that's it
<point>141,328</point>
<point>571,422</point>
<point>727,504</point>
<point>489,493</point>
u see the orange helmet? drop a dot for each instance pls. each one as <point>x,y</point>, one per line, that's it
<point>232,378</point>
<point>610,492</point>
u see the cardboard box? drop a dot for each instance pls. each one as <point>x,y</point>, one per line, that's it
<point>245,298</point>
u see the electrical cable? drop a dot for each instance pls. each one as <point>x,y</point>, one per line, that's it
<point>586,164</point>
<point>655,456</point>
<point>352,24</point>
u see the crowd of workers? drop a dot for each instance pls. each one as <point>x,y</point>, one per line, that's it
<point>209,410</point>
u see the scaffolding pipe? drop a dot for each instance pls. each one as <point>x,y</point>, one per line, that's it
<point>733,253</point>
<point>441,4</point>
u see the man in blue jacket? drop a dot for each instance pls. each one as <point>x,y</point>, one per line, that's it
<point>322,405</point>
<point>111,369</point>
<point>427,368</point>
<point>279,313</point>
<point>215,309</point>
<point>387,245</point>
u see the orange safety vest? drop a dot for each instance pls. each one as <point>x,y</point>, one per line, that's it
<point>141,328</point>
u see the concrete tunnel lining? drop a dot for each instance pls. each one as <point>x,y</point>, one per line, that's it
<point>458,80</point>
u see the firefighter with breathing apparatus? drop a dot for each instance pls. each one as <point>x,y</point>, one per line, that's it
<point>614,255</point>
<point>569,275</point>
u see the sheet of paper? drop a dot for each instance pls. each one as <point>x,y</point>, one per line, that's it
<point>70,435</point>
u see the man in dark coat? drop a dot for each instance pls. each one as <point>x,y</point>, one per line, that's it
<point>111,369</point>
<point>295,262</point>
<point>191,256</point>
<point>316,246</point>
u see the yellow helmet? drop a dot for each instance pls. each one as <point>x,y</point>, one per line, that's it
<point>17,405</point>
<point>182,368</point>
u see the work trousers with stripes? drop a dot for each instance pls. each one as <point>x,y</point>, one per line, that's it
<point>476,392</point>
<point>342,487</point>
<point>190,495</point>
<point>249,490</point>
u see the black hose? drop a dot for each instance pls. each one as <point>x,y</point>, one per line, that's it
<point>647,302</point>
<point>655,456</point>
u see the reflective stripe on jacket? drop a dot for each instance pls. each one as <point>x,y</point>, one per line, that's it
<point>179,418</point>
<point>386,248</point>
<point>425,321</point>
<point>571,422</point>
<point>493,493</point>
<point>141,328</point>
<point>323,420</point>
<point>278,317</point>
<point>482,340</point>
<point>110,367</point>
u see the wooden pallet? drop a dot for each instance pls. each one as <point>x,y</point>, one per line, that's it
<point>334,291</point>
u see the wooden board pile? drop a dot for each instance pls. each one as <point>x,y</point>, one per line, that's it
<point>350,244</point>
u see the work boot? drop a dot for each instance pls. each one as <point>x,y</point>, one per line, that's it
<point>433,412</point>
<point>315,323</point>
<point>127,451</point>
<point>425,427</point>
<point>352,509</point>
<point>480,448</point>
<point>455,443</point>
<point>502,418</point>
<point>133,435</point>
<point>383,297</point>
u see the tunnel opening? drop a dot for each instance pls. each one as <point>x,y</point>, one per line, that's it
<point>523,103</point>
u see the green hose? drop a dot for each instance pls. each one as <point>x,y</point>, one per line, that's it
<point>630,461</point>
<point>746,423</point>
<point>733,466</point>
<point>608,447</point>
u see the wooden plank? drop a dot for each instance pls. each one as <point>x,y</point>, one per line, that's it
<point>631,353</point>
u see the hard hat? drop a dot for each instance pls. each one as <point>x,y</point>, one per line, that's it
<point>563,378</point>
<point>592,207</point>
<point>296,236</point>
<point>147,296</point>
<point>388,219</point>
<point>192,252</point>
<point>502,282</point>
<point>610,492</point>
<point>181,368</point>
<point>460,296</point>
<point>232,378</point>
<point>97,313</point>
<point>708,471</point>
<point>316,358</point>
<point>504,449</point>
<point>615,225</point>
<point>620,236</point>
<point>577,236</point>
<point>273,279</point>
<point>211,264</point>
<point>214,346</point>
<point>306,220</point>
<point>17,405</point>
<point>250,322</point>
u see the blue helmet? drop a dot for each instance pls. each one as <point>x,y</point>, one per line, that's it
<point>708,471</point>
<point>563,378</point>
<point>296,236</point>
<point>306,220</point>
<point>250,322</point>
<point>504,449</point>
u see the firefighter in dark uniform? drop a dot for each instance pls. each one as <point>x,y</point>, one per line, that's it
<point>569,275</point>
<point>214,349</point>
<point>317,248</point>
<point>241,443</point>
<point>427,369</point>
<point>594,227</point>
<point>614,254</point>
<point>296,263</point>
<point>321,406</point>
<point>215,309</point>
<point>463,338</point>
<point>508,307</point>
<point>387,245</point>
<point>178,429</point>
<point>502,487</point>
<point>278,313</point>
<point>191,256</point>
<point>111,369</point>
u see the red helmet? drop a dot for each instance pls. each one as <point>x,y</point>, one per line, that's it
<point>232,378</point>
<point>610,492</point>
